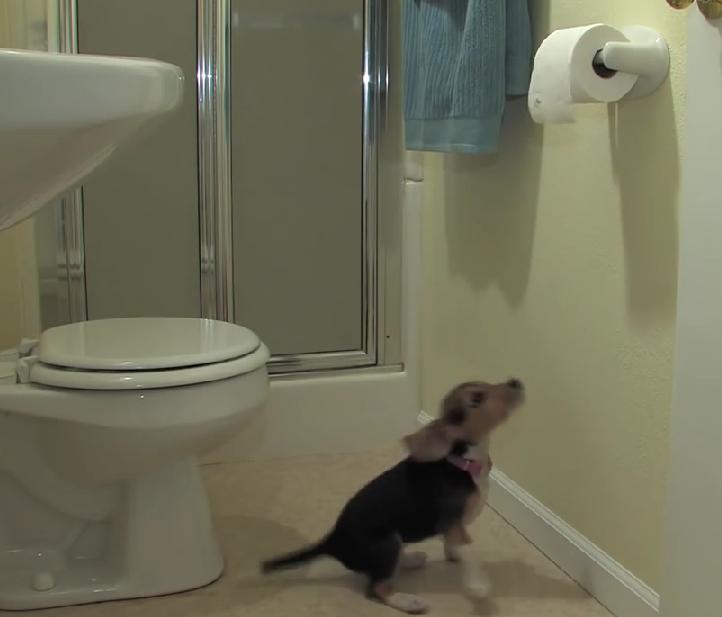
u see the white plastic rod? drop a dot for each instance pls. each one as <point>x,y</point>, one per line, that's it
<point>635,58</point>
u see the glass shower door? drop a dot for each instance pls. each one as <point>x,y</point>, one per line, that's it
<point>301,189</point>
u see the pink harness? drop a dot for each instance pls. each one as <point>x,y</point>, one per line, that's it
<point>473,467</point>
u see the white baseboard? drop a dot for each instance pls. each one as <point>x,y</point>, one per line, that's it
<point>604,578</point>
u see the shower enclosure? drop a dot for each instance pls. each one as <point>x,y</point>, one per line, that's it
<point>271,198</point>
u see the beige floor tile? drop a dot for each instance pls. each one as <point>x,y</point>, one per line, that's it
<point>266,508</point>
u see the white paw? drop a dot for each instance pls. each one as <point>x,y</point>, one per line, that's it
<point>478,584</point>
<point>452,554</point>
<point>413,605</point>
<point>413,561</point>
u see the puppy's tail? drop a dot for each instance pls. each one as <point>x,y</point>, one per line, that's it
<point>296,558</point>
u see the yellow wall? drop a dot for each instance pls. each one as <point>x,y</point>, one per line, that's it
<point>10,313</point>
<point>18,285</point>
<point>555,261</point>
<point>11,320</point>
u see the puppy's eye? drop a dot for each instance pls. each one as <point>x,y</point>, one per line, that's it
<point>477,398</point>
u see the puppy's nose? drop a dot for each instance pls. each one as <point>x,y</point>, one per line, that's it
<point>515,384</point>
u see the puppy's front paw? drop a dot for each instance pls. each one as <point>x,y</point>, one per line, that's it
<point>452,553</point>
<point>407,603</point>
<point>478,584</point>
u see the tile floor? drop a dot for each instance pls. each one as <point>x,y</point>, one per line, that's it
<point>270,507</point>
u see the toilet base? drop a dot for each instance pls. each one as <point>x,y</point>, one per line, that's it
<point>159,540</point>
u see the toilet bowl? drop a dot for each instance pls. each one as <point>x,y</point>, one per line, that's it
<point>100,494</point>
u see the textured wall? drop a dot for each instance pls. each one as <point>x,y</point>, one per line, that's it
<point>694,543</point>
<point>556,261</point>
<point>11,321</point>
<point>18,293</point>
<point>10,297</point>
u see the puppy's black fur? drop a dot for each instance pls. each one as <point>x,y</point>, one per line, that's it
<point>408,503</point>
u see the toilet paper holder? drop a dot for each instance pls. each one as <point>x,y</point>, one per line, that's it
<point>646,54</point>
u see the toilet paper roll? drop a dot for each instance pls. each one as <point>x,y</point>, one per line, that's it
<point>564,73</point>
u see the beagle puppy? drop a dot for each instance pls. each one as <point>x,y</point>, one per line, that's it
<point>438,490</point>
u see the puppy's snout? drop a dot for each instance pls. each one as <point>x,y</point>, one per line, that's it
<point>515,384</point>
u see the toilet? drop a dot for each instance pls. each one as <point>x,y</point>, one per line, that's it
<point>101,424</point>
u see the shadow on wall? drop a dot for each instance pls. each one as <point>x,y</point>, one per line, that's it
<point>491,208</point>
<point>492,200</point>
<point>646,167</point>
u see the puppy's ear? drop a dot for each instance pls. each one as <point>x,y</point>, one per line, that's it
<point>431,443</point>
<point>436,439</point>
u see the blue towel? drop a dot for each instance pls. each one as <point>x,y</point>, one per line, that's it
<point>462,58</point>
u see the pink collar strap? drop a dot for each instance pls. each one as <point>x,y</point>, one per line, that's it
<point>472,467</point>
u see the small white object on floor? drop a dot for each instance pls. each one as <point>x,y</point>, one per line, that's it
<point>407,603</point>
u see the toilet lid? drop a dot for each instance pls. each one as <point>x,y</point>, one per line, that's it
<point>144,343</point>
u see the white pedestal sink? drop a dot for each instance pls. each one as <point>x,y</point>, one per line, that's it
<point>61,115</point>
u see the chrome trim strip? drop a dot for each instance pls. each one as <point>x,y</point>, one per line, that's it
<point>392,256</point>
<point>373,73</point>
<point>72,234</point>
<point>71,244</point>
<point>214,159</point>
<point>68,35</point>
<point>385,369</point>
<point>323,361</point>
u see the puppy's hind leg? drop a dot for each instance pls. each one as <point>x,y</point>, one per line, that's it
<point>383,557</point>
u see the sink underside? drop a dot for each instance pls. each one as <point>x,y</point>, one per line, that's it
<point>62,115</point>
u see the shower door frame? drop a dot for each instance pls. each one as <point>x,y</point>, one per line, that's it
<point>215,196</point>
<point>69,215</point>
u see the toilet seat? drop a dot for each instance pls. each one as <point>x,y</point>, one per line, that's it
<point>59,377</point>
<point>144,353</point>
